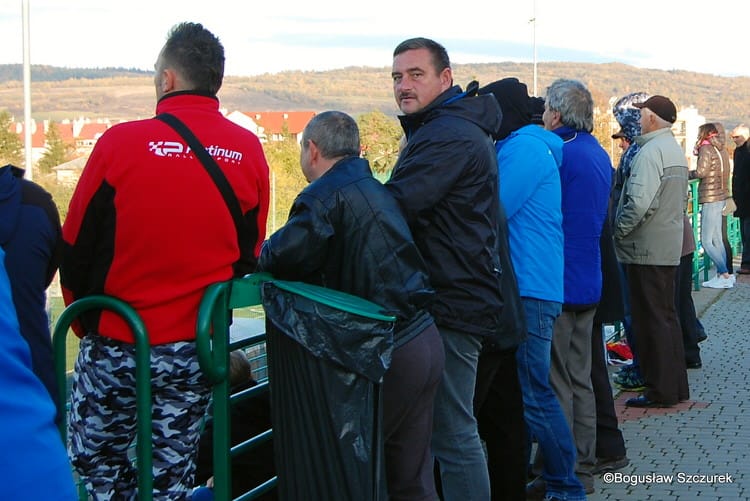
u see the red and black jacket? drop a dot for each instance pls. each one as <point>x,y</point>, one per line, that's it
<point>148,225</point>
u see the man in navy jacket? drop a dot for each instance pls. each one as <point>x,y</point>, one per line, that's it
<point>30,235</point>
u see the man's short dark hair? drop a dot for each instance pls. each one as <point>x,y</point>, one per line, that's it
<point>334,133</point>
<point>439,55</point>
<point>197,54</point>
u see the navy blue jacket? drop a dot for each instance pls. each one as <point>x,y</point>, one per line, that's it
<point>30,235</point>
<point>446,183</point>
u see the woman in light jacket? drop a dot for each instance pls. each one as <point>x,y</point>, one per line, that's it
<point>713,190</point>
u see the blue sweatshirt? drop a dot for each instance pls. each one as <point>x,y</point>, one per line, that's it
<point>585,179</point>
<point>528,161</point>
<point>33,461</point>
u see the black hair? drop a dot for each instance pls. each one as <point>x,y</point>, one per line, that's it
<point>197,54</point>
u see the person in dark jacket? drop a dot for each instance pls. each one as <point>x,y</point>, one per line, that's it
<point>31,236</point>
<point>611,453</point>
<point>346,232</point>
<point>249,417</point>
<point>445,182</point>
<point>741,190</point>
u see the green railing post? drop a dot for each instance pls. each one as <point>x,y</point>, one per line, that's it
<point>214,318</point>
<point>694,211</point>
<point>142,376</point>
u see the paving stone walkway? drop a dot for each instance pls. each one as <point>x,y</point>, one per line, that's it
<point>699,449</point>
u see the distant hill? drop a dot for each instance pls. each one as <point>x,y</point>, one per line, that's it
<point>119,93</point>
<point>44,73</point>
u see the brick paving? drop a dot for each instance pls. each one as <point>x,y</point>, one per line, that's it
<point>699,449</point>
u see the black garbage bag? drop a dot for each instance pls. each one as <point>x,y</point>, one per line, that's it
<point>326,358</point>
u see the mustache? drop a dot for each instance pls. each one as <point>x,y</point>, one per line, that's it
<point>406,95</point>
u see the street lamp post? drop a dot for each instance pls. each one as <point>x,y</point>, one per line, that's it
<point>28,165</point>
<point>533,20</point>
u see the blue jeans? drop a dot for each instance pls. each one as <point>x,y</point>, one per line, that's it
<point>455,438</point>
<point>544,416</point>
<point>711,239</point>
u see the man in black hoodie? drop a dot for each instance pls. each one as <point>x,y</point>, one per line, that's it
<point>445,181</point>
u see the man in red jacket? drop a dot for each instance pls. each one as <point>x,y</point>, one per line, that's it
<point>149,226</point>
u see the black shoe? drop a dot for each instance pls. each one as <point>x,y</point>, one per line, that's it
<point>536,490</point>
<point>604,465</point>
<point>693,365</point>
<point>643,401</point>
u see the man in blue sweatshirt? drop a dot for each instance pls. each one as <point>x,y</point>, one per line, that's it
<point>529,159</point>
<point>33,462</point>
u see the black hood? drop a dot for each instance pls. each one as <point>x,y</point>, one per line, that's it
<point>513,98</point>
<point>10,201</point>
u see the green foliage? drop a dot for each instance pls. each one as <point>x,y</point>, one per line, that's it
<point>11,147</point>
<point>287,179</point>
<point>61,192</point>
<point>379,135</point>
<point>57,152</point>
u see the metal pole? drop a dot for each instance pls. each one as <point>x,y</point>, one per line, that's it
<point>28,165</point>
<point>533,19</point>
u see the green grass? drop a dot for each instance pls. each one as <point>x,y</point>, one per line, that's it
<point>71,340</point>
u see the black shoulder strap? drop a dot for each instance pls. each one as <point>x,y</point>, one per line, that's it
<point>247,260</point>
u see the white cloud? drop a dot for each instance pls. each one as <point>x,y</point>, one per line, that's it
<point>300,34</point>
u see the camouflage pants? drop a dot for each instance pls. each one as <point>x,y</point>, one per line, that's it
<point>103,417</point>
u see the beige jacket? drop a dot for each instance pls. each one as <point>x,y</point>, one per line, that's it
<point>713,171</point>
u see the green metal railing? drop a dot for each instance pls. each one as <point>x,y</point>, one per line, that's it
<point>214,346</point>
<point>142,377</point>
<point>214,343</point>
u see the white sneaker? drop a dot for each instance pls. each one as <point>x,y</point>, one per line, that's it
<point>710,283</point>
<point>733,278</point>
<point>719,282</point>
<point>727,283</point>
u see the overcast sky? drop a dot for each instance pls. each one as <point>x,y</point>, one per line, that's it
<point>272,36</point>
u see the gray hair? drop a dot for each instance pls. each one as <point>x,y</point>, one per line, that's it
<point>334,133</point>
<point>574,103</point>
<point>741,130</point>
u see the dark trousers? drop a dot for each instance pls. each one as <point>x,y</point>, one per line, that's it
<point>686,309</point>
<point>409,388</point>
<point>609,440</point>
<point>657,332</point>
<point>745,234</point>
<point>498,407</point>
<point>727,247</point>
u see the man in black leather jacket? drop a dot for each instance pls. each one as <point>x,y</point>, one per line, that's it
<point>346,232</point>
<point>446,183</point>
